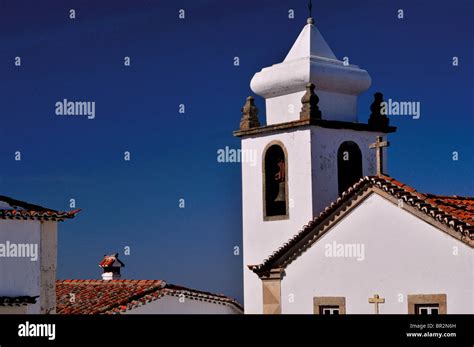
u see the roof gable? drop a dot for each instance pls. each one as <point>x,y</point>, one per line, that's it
<point>453,215</point>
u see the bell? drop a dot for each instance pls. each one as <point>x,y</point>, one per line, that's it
<point>281,192</point>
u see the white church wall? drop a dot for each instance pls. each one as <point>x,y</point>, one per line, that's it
<point>284,108</point>
<point>287,107</point>
<point>260,238</point>
<point>312,186</point>
<point>175,305</point>
<point>325,143</point>
<point>20,276</point>
<point>334,106</point>
<point>337,106</point>
<point>403,255</point>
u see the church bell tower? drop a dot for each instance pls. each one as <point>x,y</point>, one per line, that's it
<point>311,149</point>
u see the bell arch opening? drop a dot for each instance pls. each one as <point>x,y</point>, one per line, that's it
<point>349,165</point>
<point>275,182</point>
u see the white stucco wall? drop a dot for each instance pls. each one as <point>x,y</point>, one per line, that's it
<point>334,106</point>
<point>403,255</point>
<point>284,108</point>
<point>172,305</point>
<point>325,143</point>
<point>20,276</point>
<point>260,238</point>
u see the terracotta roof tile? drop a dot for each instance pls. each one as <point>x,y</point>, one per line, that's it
<point>459,207</point>
<point>116,296</point>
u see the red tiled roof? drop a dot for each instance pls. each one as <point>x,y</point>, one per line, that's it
<point>16,209</point>
<point>455,212</point>
<point>116,296</point>
<point>461,207</point>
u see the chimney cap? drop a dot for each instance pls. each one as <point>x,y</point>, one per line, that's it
<point>111,261</point>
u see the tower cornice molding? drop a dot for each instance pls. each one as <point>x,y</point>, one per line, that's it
<point>333,124</point>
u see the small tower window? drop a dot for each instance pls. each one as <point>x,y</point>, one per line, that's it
<point>349,165</point>
<point>275,182</point>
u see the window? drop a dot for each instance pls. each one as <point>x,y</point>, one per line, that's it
<point>424,304</point>
<point>349,165</point>
<point>427,309</point>
<point>275,182</point>
<point>329,305</point>
<point>328,309</point>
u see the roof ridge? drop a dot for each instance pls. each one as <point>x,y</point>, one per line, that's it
<point>208,295</point>
<point>458,197</point>
<point>177,287</point>
<point>99,281</point>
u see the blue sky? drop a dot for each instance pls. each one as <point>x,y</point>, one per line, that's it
<point>173,155</point>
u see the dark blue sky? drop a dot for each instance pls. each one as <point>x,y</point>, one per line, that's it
<point>174,155</point>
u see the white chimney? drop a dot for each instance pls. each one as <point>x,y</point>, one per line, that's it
<point>111,266</point>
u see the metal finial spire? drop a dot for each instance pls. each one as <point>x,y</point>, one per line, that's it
<point>310,8</point>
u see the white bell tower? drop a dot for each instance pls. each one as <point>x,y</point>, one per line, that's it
<point>311,149</point>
